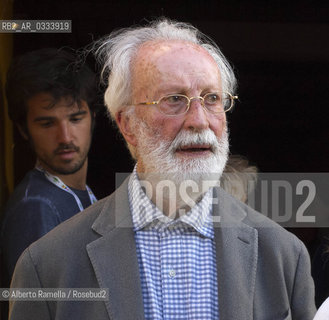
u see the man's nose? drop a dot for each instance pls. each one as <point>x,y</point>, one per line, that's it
<point>196,117</point>
<point>64,134</point>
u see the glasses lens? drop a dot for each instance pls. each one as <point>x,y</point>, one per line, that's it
<point>173,104</point>
<point>217,103</point>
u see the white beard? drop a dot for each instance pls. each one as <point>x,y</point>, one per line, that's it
<point>161,163</point>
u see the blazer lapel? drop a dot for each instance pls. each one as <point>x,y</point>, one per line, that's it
<point>237,253</point>
<point>113,257</point>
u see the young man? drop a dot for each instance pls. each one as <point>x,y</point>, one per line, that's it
<point>51,100</point>
<point>166,244</point>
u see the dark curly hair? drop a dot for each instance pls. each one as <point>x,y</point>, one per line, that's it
<point>55,71</point>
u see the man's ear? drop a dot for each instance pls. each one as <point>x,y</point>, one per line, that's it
<point>23,131</point>
<point>123,121</point>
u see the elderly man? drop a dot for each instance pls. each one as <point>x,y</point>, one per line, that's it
<point>166,244</point>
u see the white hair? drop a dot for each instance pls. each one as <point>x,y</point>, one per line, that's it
<point>117,51</point>
<point>239,178</point>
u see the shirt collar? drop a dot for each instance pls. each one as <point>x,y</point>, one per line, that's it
<point>144,211</point>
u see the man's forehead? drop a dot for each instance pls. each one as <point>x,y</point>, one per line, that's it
<point>46,101</point>
<point>177,62</point>
<point>161,48</point>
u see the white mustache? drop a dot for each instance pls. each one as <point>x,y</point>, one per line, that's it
<point>187,138</point>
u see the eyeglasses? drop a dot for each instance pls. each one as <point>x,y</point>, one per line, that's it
<point>177,104</point>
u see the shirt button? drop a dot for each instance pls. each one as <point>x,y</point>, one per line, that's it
<point>172,273</point>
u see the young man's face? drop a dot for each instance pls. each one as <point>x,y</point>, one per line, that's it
<point>60,135</point>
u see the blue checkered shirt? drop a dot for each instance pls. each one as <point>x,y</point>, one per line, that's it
<point>177,258</point>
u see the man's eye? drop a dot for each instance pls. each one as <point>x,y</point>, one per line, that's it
<point>76,119</point>
<point>212,98</point>
<point>174,99</point>
<point>46,124</point>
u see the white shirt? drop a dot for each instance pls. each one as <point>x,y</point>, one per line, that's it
<point>323,312</point>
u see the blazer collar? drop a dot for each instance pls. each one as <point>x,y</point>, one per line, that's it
<point>115,212</point>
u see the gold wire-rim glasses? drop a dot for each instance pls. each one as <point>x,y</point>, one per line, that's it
<point>231,97</point>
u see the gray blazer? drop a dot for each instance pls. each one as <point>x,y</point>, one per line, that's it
<point>263,270</point>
